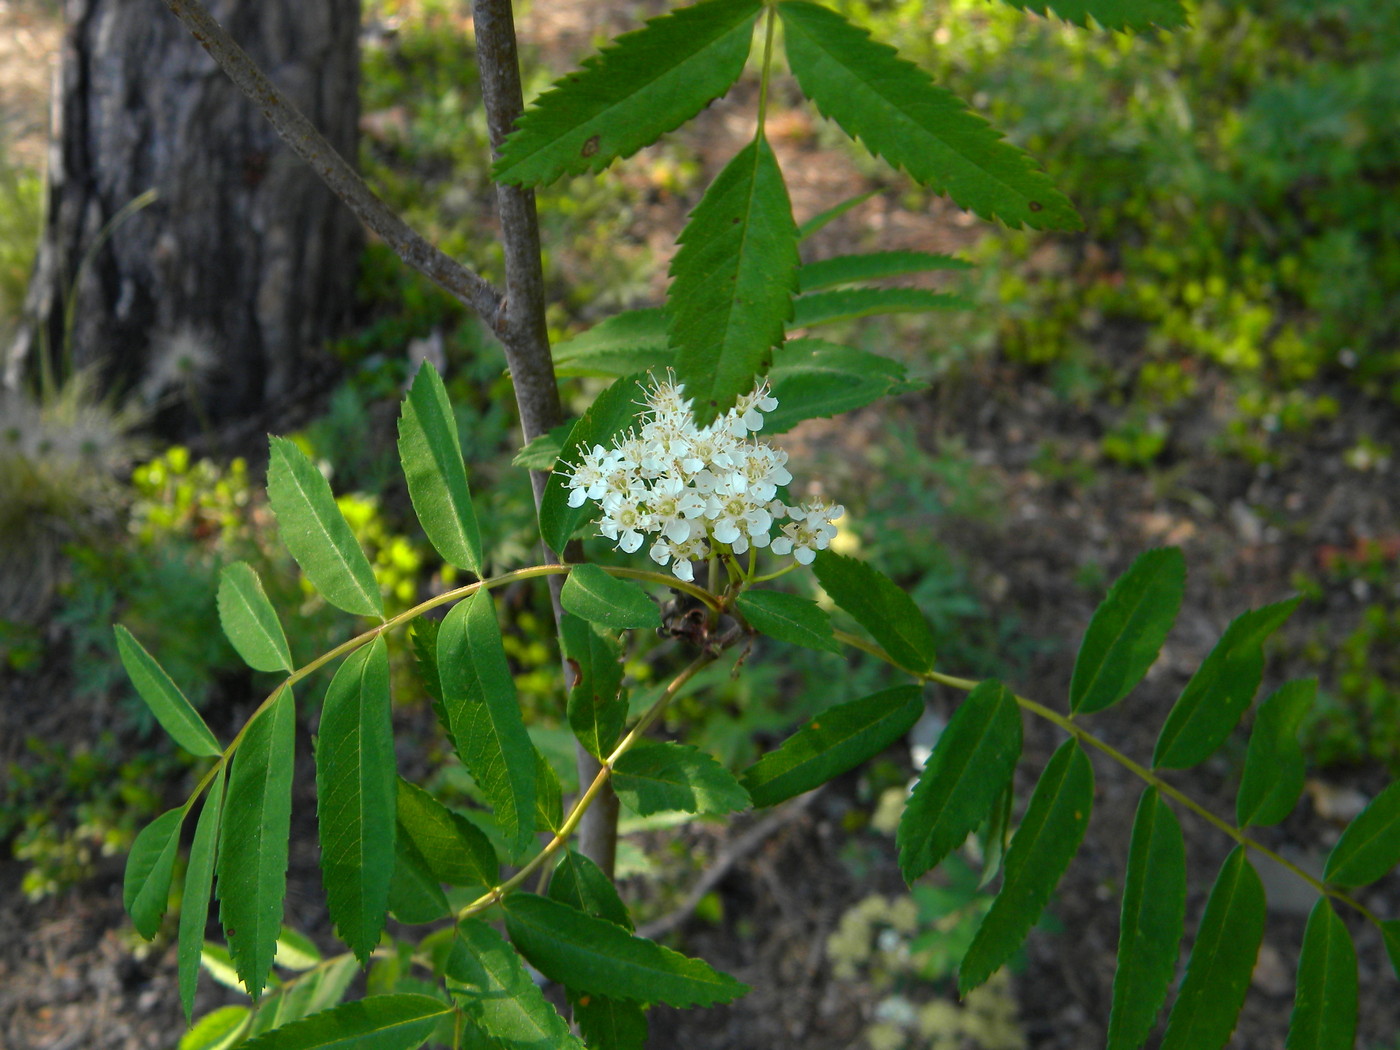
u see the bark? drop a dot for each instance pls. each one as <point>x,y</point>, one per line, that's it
<point>245,259</point>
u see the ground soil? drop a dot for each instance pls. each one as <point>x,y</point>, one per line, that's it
<point>71,972</point>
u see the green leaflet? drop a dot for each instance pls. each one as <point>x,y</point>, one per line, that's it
<point>549,795</point>
<point>656,776</point>
<point>296,951</point>
<point>317,534</point>
<point>838,739</point>
<point>597,712</point>
<point>1220,690</point>
<point>583,886</point>
<point>1370,846</point>
<point>216,1030</point>
<point>455,850</point>
<point>871,266</point>
<point>1149,933</point>
<point>631,93</point>
<point>970,766</point>
<point>199,885</point>
<point>598,958</point>
<point>355,796</point>
<point>486,975</point>
<point>172,710</point>
<point>898,113</point>
<point>1325,1004</point>
<point>1390,933</point>
<point>880,606</point>
<point>1227,945</point>
<point>789,618</point>
<point>250,621</point>
<point>542,451</point>
<point>632,341</point>
<point>415,895</point>
<point>381,1022</point>
<point>484,717</point>
<point>1274,764</point>
<point>611,1024</point>
<point>1041,849</point>
<point>823,219</point>
<point>811,378</point>
<point>252,862</point>
<point>732,281</point>
<point>215,960</point>
<point>431,454</point>
<point>149,868</point>
<point>611,413</point>
<point>1127,630</point>
<point>1112,14</point>
<point>849,304</point>
<point>591,593</point>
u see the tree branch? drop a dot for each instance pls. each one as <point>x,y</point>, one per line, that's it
<point>467,287</point>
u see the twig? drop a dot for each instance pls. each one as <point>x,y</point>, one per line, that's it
<point>735,852</point>
<point>467,287</point>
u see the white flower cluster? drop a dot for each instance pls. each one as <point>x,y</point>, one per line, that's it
<point>692,488</point>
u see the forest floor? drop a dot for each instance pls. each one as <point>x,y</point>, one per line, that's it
<point>70,972</point>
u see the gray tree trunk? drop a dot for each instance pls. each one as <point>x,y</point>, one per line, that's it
<point>245,262</point>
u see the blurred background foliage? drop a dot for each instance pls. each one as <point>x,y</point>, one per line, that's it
<point>1240,182</point>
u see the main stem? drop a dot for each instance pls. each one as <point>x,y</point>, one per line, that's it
<point>522,329</point>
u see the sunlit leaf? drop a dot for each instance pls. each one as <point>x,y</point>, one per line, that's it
<point>655,776</point>
<point>789,618</point>
<point>968,769</point>
<point>487,976</point>
<point>400,1021</point>
<point>250,621</point>
<point>317,534</point>
<point>216,1030</point>
<point>149,869</point>
<point>1149,933</point>
<point>175,714</point>
<point>1222,960</point>
<point>1043,846</point>
<point>1325,1003</point>
<point>592,593</point>
<point>879,605</point>
<point>732,281</point>
<point>355,797</point>
<point>1274,764</point>
<point>1128,630</point>
<point>837,740</point>
<point>894,108</point>
<point>431,454</point>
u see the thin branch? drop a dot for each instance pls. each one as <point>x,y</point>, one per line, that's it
<point>467,287</point>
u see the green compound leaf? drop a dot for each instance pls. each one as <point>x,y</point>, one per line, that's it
<point>1154,912</point>
<point>250,621</point>
<point>597,712</point>
<point>632,341</point>
<point>1041,849</point>
<point>252,861</point>
<point>789,618</point>
<point>733,280</point>
<point>487,976</point>
<point>880,606</point>
<point>584,886</point>
<point>431,454</point>
<point>1227,945</point>
<point>591,593</point>
<point>1370,846</point>
<point>611,1024</point>
<point>1325,1005</point>
<point>849,304</point>
<point>631,93</point>
<point>1220,690</point>
<point>811,378</point>
<point>400,1021</point>
<point>216,1030</point>
<point>1274,764</point>
<point>484,717</point>
<point>454,850</point>
<point>596,957</point>
<point>872,266</point>
<point>149,868</point>
<point>656,776</point>
<point>1127,630</point>
<point>172,710</point>
<point>898,113</point>
<point>199,886</point>
<point>317,534</point>
<point>1112,14</point>
<point>837,740</point>
<point>968,770</point>
<point>611,413</point>
<point>355,797</point>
